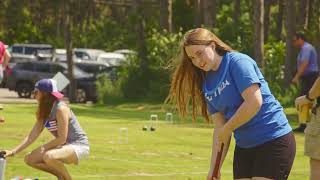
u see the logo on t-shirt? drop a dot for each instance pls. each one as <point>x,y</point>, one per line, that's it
<point>219,90</point>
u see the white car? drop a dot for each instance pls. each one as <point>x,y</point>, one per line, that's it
<point>112,59</point>
<point>60,55</point>
<point>87,54</point>
<point>126,52</point>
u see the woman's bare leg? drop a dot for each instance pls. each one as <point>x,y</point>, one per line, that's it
<point>56,158</point>
<point>35,160</point>
<point>314,169</point>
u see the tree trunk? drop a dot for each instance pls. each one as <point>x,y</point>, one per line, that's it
<point>306,18</point>
<point>279,21</point>
<point>290,31</point>
<point>115,13</point>
<point>214,5</point>
<point>312,5</point>
<point>197,13</point>
<point>236,12</point>
<point>68,46</point>
<point>267,14</point>
<point>304,14</point>
<point>207,13</point>
<point>166,15</point>
<point>140,29</point>
<point>259,40</point>
<point>251,6</point>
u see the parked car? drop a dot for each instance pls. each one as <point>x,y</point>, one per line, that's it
<point>29,52</point>
<point>25,74</point>
<point>126,52</point>
<point>60,55</point>
<point>112,59</point>
<point>87,54</point>
<point>98,69</point>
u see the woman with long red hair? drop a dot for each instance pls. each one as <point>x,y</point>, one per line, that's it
<point>228,87</point>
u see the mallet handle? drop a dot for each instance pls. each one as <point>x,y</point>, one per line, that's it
<point>217,164</point>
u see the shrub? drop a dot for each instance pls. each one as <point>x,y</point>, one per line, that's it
<point>108,91</point>
<point>151,82</point>
<point>274,73</point>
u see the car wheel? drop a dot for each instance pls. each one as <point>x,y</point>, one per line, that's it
<point>81,96</point>
<point>24,90</point>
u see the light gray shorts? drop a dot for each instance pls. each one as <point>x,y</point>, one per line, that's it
<point>82,151</point>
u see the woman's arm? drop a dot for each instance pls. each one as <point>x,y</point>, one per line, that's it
<point>63,123</point>
<point>219,122</point>
<point>6,58</point>
<point>300,71</point>
<point>33,135</point>
<point>248,109</point>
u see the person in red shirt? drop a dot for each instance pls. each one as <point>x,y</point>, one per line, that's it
<point>4,60</point>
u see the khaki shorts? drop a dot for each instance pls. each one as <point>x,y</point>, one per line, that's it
<point>312,136</point>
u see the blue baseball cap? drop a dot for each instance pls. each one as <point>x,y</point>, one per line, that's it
<point>50,86</point>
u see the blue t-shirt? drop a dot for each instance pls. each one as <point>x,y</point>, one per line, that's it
<point>308,53</point>
<point>236,73</point>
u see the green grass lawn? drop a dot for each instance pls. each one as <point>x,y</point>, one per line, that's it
<point>174,151</point>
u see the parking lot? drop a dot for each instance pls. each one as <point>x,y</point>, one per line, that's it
<point>7,96</point>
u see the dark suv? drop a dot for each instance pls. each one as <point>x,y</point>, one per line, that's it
<point>25,74</point>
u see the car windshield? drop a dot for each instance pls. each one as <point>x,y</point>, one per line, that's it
<point>95,53</point>
<point>33,50</point>
<point>88,54</point>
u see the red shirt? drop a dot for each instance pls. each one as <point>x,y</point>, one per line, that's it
<point>2,50</point>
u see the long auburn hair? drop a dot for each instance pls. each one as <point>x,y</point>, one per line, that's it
<point>187,79</point>
<point>44,106</point>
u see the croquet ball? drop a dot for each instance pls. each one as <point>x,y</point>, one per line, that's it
<point>144,128</point>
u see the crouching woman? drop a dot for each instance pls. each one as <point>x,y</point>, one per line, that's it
<point>70,143</point>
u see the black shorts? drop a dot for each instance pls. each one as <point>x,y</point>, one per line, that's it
<point>271,160</point>
<point>307,82</point>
